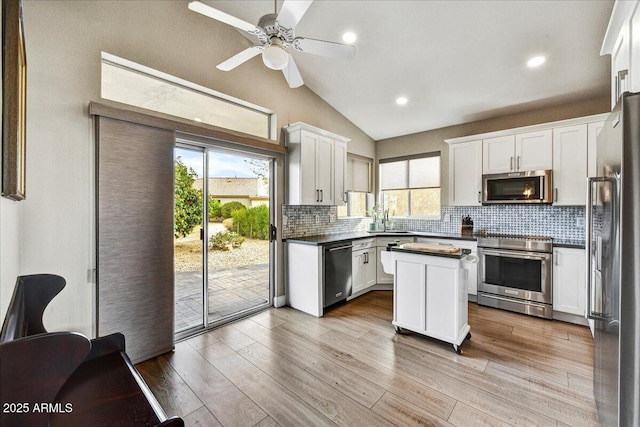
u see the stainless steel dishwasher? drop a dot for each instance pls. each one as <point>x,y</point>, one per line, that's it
<point>337,272</point>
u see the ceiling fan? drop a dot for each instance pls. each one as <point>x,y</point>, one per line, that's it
<point>276,37</point>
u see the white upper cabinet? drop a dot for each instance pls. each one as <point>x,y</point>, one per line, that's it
<point>465,174</point>
<point>534,151</point>
<point>517,153</point>
<point>340,173</point>
<point>497,154</point>
<point>570,165</point>
<point>622,42</point>
<point>317,165</point>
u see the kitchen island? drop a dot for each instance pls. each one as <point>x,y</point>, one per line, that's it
<point>429,292</point>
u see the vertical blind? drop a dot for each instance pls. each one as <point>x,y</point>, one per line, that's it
<point>135,273</point>
<point>407,173</point>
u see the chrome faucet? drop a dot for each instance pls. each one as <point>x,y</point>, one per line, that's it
<point>385,219</point>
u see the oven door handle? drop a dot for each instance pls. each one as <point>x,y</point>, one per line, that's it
<point>516,254</point>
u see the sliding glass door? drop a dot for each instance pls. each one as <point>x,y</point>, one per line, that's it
<point>230,236</point>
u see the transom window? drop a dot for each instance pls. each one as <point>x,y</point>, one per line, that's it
<point>410,186</point>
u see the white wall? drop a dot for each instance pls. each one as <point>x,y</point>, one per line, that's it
<point>64,40</point>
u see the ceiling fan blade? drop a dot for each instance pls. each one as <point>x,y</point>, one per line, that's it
<point>292,74</point>
<point>292,12</point>
<point>324,48</point>
<point>218,15</point>
<point>239,58</point>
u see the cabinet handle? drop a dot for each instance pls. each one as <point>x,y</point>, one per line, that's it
<point>321,196</point>
<point>518,163</point>
<point>366,258</point>
<point>511,163</point>
<point>556,259</point>
<point>479,196</point>
<point>555,194</point>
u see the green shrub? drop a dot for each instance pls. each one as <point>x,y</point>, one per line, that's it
<point>228,209</point>
<point>252,222</point>
<point>215,210</point>
<point>224,241</point>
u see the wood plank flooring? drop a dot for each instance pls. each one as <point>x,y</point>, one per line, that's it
<point>349,368</point>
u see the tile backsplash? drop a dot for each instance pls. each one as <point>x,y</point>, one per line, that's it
<point>558,222</point>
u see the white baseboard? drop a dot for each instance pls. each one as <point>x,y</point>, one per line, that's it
<point>280,301</point>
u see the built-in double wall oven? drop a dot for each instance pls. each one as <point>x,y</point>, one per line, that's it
<point>515,274</point>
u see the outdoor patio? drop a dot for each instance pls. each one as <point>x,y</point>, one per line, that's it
<point>230,290</point>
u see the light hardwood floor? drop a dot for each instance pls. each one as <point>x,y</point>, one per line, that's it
<point>283,367</point>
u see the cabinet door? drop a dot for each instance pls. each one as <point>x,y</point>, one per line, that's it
<point>409,295</point>
<point>309,194</point>
<point>442,284</point>
<point>370,268</point>
<point>324,170</point>
<point>569,282</point>
<point>620,59</point>
<point>593,130</point>
<point>340,173</point>
<point>357,271</point>
<point>465,174</point>
<point>498,154</point>
<point>570,165</point>
<point>534,151</point>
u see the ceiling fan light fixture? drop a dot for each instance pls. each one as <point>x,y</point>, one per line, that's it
<point>275,57</point>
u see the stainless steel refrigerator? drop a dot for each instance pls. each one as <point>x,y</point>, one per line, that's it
<point>613,264</point>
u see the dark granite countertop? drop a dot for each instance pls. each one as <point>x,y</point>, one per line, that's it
<point>343,237</point>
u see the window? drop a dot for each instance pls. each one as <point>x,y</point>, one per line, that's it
<point>359,188</point>
<point>134,84</point>
<point>410,186</point>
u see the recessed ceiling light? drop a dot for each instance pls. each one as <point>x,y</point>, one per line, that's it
<point>197,119</point>
<point>349,37</point>
<point>536,61</point>
<point>402,100</point>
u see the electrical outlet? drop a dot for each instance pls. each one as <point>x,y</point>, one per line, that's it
<point>580,222</point>
<point>285,220</point>
<point>317,219</point>
<point>446,217</point>
<point>332,218</point>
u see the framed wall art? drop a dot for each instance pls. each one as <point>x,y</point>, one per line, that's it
<point>14,101</point>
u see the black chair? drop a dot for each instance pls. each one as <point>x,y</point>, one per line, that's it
<point>31,296</point>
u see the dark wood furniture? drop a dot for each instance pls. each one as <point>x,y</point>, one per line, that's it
<point>63,378</point>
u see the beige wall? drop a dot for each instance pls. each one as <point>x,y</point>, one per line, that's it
<point>63,41</point>
<point>433,140</point>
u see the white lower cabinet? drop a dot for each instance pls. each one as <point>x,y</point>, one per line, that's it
<point>363,265</point>
<point>470,271</point>
<point>569,281</point>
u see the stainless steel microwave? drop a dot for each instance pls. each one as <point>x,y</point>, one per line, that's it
<point>517,187</point>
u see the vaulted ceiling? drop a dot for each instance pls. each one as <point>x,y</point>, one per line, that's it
<point>455,61</point>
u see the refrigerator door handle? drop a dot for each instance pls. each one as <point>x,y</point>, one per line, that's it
<point>594,298</point>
